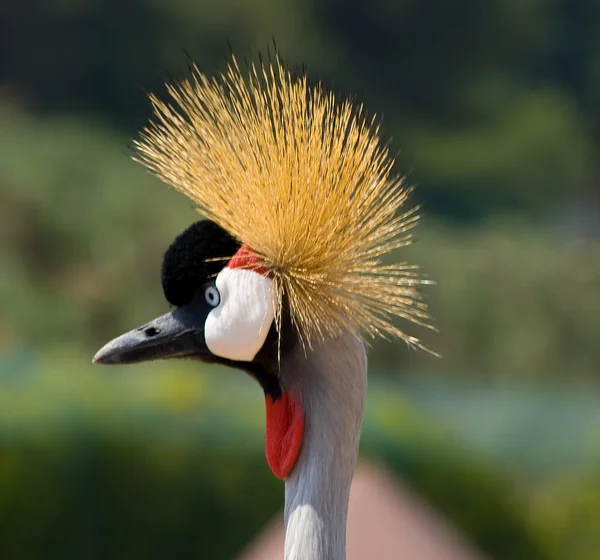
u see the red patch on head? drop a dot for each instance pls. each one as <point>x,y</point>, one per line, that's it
<point>244,258</point>
<point>285,430</point>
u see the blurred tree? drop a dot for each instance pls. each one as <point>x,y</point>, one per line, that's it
<point>85,229</point>
<point>494,104</point>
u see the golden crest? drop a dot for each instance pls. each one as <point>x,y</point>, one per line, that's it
<point>305,181</point>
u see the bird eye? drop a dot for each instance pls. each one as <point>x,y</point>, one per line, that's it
<point>212,295</point>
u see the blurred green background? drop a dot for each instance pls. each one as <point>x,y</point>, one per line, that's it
<point>494,108</point>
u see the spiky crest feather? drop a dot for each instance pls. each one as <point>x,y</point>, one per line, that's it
<point>304,180</point>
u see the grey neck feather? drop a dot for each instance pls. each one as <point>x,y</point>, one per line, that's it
<point>331,381</point>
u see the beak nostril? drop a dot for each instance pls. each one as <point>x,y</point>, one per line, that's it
<point>151,331</point>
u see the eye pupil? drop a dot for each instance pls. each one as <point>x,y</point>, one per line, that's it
<point>212,296</point>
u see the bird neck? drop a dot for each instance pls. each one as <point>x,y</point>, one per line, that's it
<point>331,382</point>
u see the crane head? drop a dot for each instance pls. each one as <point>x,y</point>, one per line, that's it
<point>304,206</point>
<point>224,313</point>
<point>224,305</point>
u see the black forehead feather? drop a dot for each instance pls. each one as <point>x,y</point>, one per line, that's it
<point>185,268</point>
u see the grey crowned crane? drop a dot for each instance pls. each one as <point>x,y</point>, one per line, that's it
<point>284,277</point>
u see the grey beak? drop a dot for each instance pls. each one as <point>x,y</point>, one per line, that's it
<point>177,334</point>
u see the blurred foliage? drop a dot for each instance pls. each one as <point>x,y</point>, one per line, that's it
<point>494,104</point>
<point>86,228</point>
<point>165,462</point>
<point>566,512</point>
<point>509,300</point>
<point>70,197</point>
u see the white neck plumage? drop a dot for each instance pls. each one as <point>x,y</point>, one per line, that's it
<point>331,382</point>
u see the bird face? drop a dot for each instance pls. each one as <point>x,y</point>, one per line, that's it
<point>224,307</point>
<point>224,313</point>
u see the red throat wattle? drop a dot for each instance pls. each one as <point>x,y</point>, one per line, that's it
<point>285,416</point>
<point>285,430</point>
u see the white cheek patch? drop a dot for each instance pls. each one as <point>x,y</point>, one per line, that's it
<point>237,328</point>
